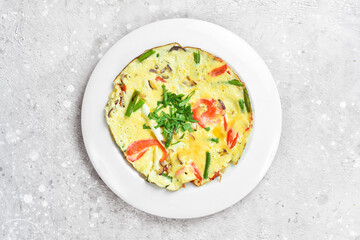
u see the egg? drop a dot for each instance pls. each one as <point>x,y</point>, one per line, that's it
<point>179,115</point>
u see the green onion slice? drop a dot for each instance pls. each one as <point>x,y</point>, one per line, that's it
<point>242,105</point>
<point>247,100</point>
<point>197,57</point>
<point>139,104</point>
<point>130,108</point>
<point>207,165</point>
<point>146,55</point>
<point>235,82</point>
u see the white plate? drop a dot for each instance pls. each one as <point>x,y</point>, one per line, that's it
<point>191,201</point>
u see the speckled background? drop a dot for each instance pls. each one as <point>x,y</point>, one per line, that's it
<point>49,189</point>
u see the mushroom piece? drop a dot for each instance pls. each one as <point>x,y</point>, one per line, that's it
<point>161,170</point>
<point>178,158</point>
<point>176,48</point>
<point>151,85</point>
<point>223,152</point>
<point>110,112</point>
<point>153,71</point>
<point>222,104</point>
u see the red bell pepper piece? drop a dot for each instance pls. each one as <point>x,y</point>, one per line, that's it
<point>196,171</point>
<point>218,71</point>
<point>215,175</point>
<point>138,148</point>
<point>160,79</point>
<point>230,139</point>
<point>225,123</point>
<point>123,88</point>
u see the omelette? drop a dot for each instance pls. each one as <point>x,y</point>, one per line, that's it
<point>179,115</point>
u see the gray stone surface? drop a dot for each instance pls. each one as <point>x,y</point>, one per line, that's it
<point>49,189</point>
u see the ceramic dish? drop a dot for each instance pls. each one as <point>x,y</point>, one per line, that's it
<point>191,201</point>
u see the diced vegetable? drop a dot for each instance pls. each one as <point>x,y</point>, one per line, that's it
<point>212,111</point>
<point>235,82</point>
<point>216,140</point>
<point>167,176</point>
<point>160,79</point>
<point>138,148</point>
<point>215,175</point>
<point>176,48</point>
<point>139,104</point>
<point>196,171</point>
<point>247,100</point>
<point>132,102</point>
<point>146,127</point>
<point>197,57</point>
<point>242,105</point>
<point>175,143</point>
<point>146,55</point>
<point>207,129</point>
<point>218,71</point>
<point>230,139</point>
<point>207,165</point>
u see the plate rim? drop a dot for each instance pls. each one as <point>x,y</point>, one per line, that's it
<point>264,168</point>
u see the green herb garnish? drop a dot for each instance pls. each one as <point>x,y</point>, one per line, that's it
<point>235,82</point>
<point>247,100</point>
<point>242,105</point>
<point>177,118</point>
<point>216,140</point>
<point>146,55</point>
<point>207,165</point>
<point>182,136</point>
<point>157,55</point>
<point>197,57</point>
<point>146,127</point>
<point>207,129</point>
<point>132,102</point>
<point>175,143</point>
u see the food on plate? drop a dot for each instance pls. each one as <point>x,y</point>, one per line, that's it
<point>179,115</point>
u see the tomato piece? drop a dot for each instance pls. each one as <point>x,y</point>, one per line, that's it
<point>160,79</point>
<point>197,117</point>
<point>218,71</point>
<point>206,111</point>
<point>196,171</point>
<point>138,148</point>
<point>230,139</point>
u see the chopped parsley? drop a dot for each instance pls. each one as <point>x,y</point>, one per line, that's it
<point>179,116</point>
<point>207,129</point>
<point>146,127</point>
<point>215,140</point>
